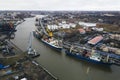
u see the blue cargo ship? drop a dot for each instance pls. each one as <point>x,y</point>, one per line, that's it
<point>94,58</point>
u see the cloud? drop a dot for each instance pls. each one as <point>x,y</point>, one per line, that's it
<point>60,5</point>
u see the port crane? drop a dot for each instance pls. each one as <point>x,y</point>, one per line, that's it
<point>43,28</point>
<point>45,31</point>
<point>30,49</point>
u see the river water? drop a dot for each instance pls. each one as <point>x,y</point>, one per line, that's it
<point>60,65</point>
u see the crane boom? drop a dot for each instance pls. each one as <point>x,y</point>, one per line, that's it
<point>44,30</point>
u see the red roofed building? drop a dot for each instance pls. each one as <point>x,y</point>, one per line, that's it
<point>95,40</point>
<point>82,31</point>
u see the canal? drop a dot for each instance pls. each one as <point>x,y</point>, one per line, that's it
<point>60,65</point>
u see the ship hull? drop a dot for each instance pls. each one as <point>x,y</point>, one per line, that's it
<point>52,46</point>
<point>86,59</point>
<point>46,43</point>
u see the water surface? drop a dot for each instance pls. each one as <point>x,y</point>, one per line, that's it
<point>60,65</point>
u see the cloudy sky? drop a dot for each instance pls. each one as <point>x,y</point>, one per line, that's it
<point>60,5</point>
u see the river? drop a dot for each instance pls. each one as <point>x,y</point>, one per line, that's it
<point>60,65</point>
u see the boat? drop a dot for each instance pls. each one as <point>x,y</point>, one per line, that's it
<point>4,67</point>
<point>52,43</point>
<point>46,36</point>
<point>89,55</point>
<point>92,59</point>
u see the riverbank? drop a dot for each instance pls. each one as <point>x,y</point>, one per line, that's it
<point>62,66</point>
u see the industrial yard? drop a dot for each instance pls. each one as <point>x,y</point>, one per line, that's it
<point>55,36</point>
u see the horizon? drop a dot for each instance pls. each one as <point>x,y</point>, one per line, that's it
<point>68,10</point>
<point>61,5</point>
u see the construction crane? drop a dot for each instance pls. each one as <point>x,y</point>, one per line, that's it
<point>30,49</point>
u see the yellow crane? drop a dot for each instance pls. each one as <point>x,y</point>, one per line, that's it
<point>50,33</point>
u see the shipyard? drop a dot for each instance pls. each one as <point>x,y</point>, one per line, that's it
<point>59,40</point>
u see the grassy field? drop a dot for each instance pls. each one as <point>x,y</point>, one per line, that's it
<point>109,27</point>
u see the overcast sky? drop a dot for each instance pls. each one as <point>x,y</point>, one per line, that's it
<point>60,5</point>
